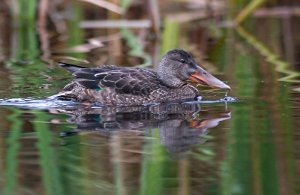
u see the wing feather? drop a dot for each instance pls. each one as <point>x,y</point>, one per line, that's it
<point>136,81</point>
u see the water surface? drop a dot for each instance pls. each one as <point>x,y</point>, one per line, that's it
<point>246,147</point>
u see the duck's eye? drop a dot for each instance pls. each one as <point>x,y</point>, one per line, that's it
<point>182,60</point>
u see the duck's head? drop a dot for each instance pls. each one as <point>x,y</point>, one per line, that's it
<point>178,67</point>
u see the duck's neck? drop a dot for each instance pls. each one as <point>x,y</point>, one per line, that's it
<point>169,80</point>
<point>167,76</point>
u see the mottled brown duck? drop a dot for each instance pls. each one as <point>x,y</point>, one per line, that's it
<point>126,86</point>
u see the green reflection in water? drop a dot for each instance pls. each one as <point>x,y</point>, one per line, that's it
<point>11,161</point>
<point>218,53</point>
<point>24,60</point>
<point>153,166</point>
<point>280,65</point>
<point>269,161</point>
<point>73,172</point>
<point>288,132</point>
<point>48,157</point>
<point>118,174</point>
<point>237,167</point>
<point>252,163</point>
<point>265,147</point>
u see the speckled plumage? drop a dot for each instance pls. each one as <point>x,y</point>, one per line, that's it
<point>124,86</point>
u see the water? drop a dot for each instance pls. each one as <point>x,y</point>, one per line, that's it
<point>242,142</point>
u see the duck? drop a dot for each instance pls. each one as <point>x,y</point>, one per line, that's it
<point>175,79</point>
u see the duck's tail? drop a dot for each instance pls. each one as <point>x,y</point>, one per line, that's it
<point>70,67</point>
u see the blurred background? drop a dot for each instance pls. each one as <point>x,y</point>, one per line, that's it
<point>246,147</point>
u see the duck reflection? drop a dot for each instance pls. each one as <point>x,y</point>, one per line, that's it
<point>179,125</point>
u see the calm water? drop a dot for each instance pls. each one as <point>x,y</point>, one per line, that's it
<point>247,147</point>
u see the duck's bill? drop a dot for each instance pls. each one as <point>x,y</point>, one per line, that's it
<point>204,78</point>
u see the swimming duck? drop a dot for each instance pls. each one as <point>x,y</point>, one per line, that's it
<point>126,86</point>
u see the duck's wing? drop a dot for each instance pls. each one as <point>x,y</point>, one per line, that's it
<point>136,81</point>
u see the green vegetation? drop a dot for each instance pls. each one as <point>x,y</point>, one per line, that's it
<point>12,151</point>
<point>255,152</point>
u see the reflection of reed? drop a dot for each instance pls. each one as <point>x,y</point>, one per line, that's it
<point>9,156</point>
<point>28,164</point>
<point>294,142</point>
<point>280,65</point>
<point>21,158</point>
<point>126,153</point>
<point>261,156</point>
